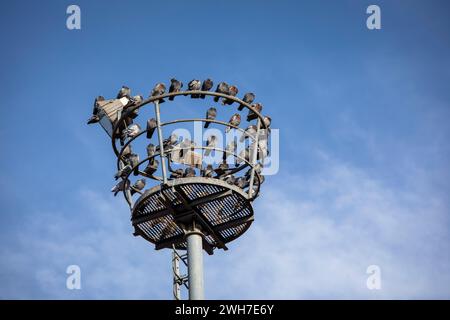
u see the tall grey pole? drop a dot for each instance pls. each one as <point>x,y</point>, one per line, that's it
<point>194,240</point>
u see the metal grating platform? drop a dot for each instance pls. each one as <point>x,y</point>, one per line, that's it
<point>221,210</point>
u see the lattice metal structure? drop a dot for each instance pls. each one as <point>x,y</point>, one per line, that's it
<point>179,279</point>
<point>196,206</point>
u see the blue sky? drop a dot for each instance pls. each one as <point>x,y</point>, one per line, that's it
<point>364,154</point>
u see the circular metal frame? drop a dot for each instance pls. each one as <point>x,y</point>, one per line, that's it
<point>222,212</point>
<point>158,178</point>
<point>173,94</point>
<point>164,213</point>
<point>120,153</point>
<point>131,109</point>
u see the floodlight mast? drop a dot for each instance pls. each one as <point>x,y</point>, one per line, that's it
<point>192,213</point>
<point>194,236</point>
<point>194,240</point>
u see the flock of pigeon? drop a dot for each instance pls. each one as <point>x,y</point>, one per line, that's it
<point>170,145</point>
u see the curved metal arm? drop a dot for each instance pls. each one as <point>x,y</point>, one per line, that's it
<point>173,94</point>
<point>247,163</point>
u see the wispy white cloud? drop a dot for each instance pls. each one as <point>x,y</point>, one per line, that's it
<point>315,236</point>
<point>99,239</point>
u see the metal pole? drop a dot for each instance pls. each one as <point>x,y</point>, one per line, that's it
<point>195,264</point>
<point>254,158</point>
<point>160,137</point>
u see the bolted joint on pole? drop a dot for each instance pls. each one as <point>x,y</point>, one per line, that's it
<point>194,238</point>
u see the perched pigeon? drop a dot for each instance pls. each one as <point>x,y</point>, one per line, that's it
<point>235,120</point>
<point>241,182</point>
<point>95,118</point>
<point>151,126</point>
<point>176,174</point>
<point>249,132</point>
<point>124,92</point>
<point>232,91</point>
<point>249,97</point>
<point>133,161</point>
<point>208,171</point>
<point>159,90</point>
<point>244,182</point>
<point>230,149</point>
<point>222,168</point>
<point>139,185</point>
<point>96,103</point>
<point>122,128</point>
<point>175,86</point>
<point>267,121</point>
<point>189,172</point>
<point>211,114</point>
<point>262,141</point>
<point>258,178</point>
<point>185,146</point>
<point>120,186</point>
<point>206,86</point>
<point>136,100</point>
<point>151,149</point>
<point>128,120</point>
<point>151,168</point>
<point>231,179</point>
<point>122,173</point>
<point>252,115</point>
<point>194,85</point>
<point>258,170</point>
<point>222,87</point>
<point>211,142</point>
<point>170,142</point>
<point>132,130</point>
